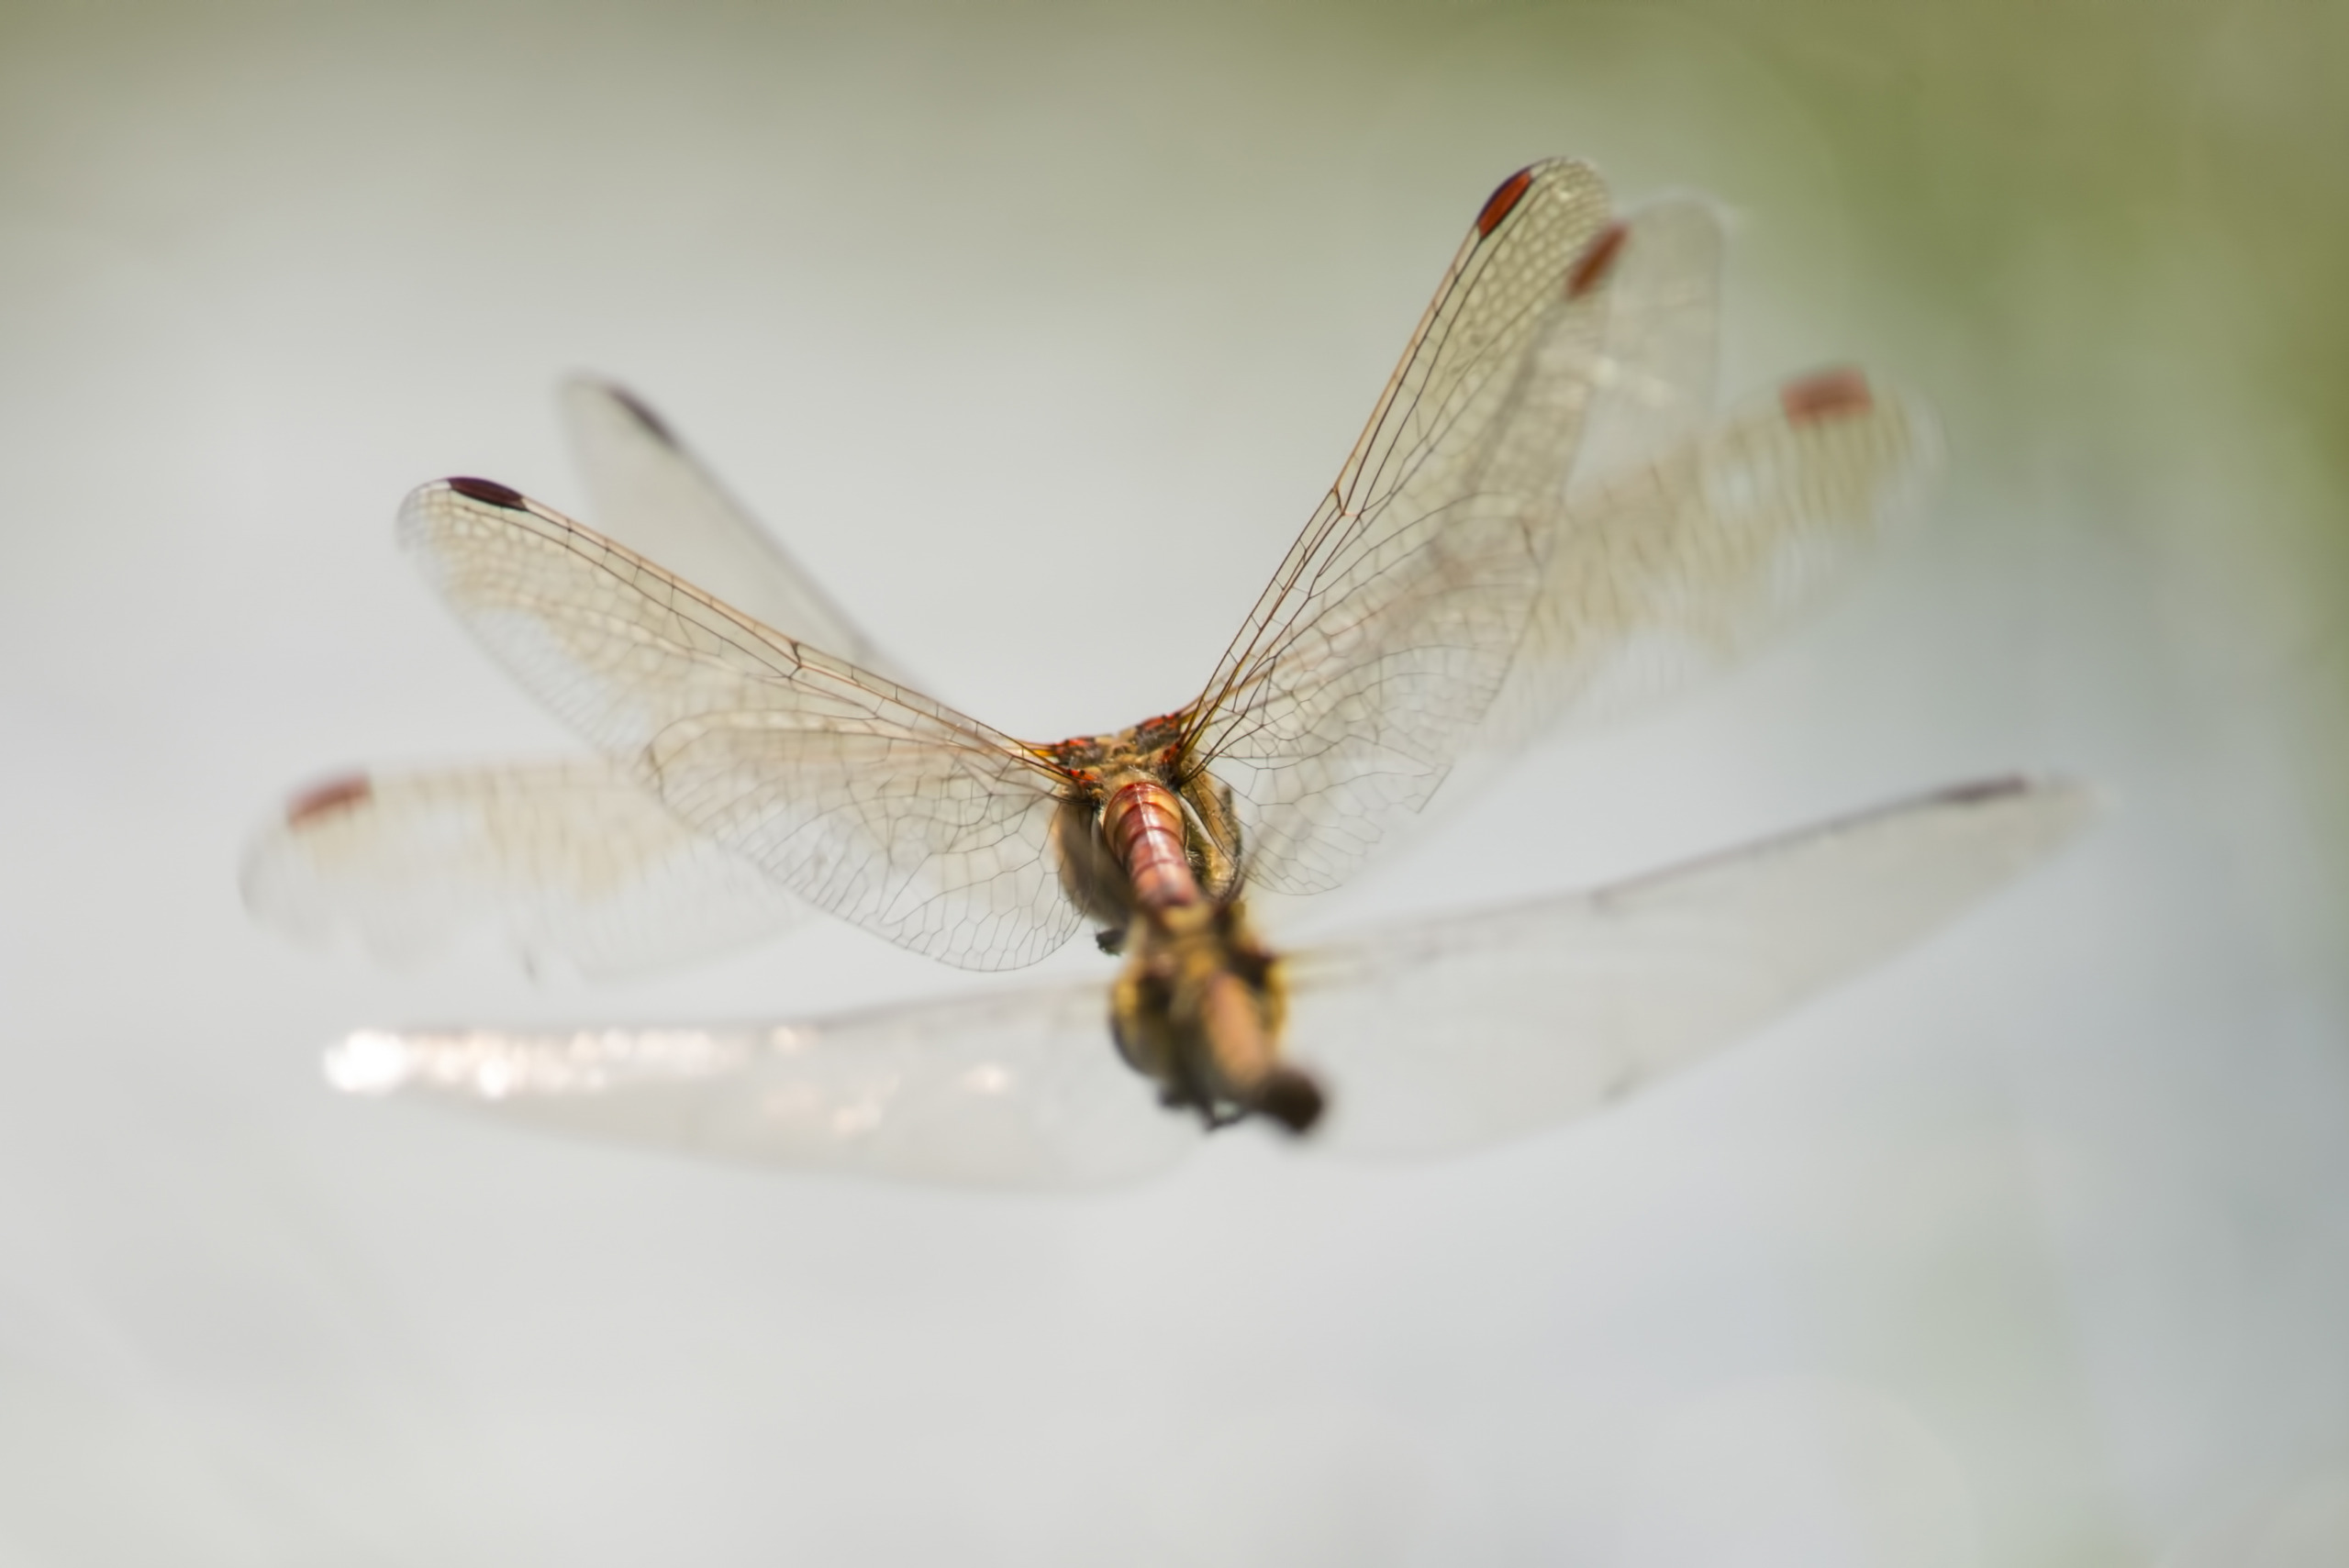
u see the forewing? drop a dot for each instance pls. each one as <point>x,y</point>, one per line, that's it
<point>1020,1089</point>
<point>870,801</point>
<point>1489,1026</point>
<point>574,865</point>
<point>1670,568</point>
<point>653,494</point>
<point>1386,633</point>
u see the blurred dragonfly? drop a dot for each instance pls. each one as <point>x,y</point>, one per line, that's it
<point>1443,1035</point>
<point>1545,513</point>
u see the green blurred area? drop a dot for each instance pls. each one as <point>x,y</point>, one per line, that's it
<point>2136,214</point>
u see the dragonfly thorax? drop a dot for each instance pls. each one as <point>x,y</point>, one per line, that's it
<point>1138,833</point>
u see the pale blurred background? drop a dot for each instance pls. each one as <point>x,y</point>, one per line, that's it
<point>2029,1249</point>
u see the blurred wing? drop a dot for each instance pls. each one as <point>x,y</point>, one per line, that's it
<point>870,801</point>
<point>573,863</point>
<point>1673,566</point>
<point>1490,1027</point>
<point>654,496</point>
<point>1019,1089</point>
<point>1652,384</point>
<point>1385,632</point>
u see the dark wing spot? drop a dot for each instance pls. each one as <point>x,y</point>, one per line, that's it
<point>1835,394</point>
<point>1503,200</point>
<point>490,493</point>
<point>335,794</point>
<point>654,424</point>
<point>1983,790</point>
<point>1596,260</point>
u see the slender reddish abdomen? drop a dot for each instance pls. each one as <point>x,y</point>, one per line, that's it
<point>1143,824</point>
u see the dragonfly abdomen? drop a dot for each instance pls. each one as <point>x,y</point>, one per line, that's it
<point>1143,824</point>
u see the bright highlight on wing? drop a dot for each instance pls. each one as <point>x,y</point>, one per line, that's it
<point>1016,1090</point>
<point>1441,1036</point>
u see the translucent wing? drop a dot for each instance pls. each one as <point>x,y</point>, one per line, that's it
<point>573,863</point>
<point>1020,1089</point>
<point>1672,567</point>
<point>1471,1031</point>
<point>656,496</point>
<point>1544,518</point>
<point>1387,631</point>
<point>870,801</point>
<point>1652,381</point>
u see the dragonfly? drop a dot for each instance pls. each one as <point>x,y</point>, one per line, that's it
<point>1446,1035</point>
<point>1545,513</point>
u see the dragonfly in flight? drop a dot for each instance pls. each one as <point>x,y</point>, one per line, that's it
<point>1545,513</point>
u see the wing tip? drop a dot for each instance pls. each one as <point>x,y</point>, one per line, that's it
<point>371,1062</point>
<point>1504,200</point>
<point>1597,262</point>
<point>2065,806</point>
<point>488,491</point>
<point>583,386</point>
<point>328,797</point>
<point>1833,392</point>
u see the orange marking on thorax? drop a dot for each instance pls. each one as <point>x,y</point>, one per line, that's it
<point>1834,394</point>
<point>1143,823</point>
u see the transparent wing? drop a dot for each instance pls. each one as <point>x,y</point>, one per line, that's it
<point>574,865</point>
<point>1020,1089</point>
<point>656,496</point>
<point>1653,379</point>
<point>1385,632</point>
<point>870,801</point>
<point>1673,566</point>
<point>1577,532</point>
<point>1489,1026</point>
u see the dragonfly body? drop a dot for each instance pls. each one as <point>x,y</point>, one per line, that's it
<point>1154,855</point>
